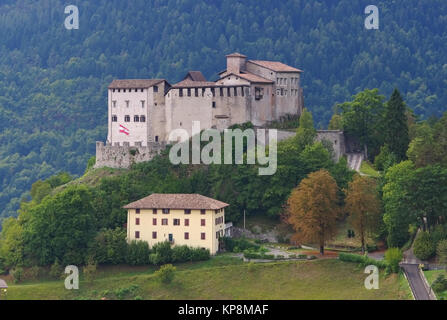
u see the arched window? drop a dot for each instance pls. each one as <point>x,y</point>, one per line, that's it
<point>142,118</point>
<point>136,119</point>
<point>114,118</point>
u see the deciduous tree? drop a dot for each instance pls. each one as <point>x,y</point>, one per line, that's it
<point>313,209</point>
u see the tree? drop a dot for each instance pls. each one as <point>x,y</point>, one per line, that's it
<point>393,256</point>
<point>306,132</point>
<point>396,126</point>
<point>166,273</point>
<point>441,252</point>
<point>362,118</point>
<point>423,246</point>
<point>363,205</point>
<point>336,122</point>
<point>313,208</point>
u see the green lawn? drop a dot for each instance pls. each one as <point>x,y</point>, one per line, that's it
<point>431,276</point>
<point>228,279</point>
<point>367,168</point>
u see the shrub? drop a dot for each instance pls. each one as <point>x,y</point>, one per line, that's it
<point>302,256</point>
<point>279,257</point>
<point>312,258</point>
<point>393,256</point>
<point>89,270</point>
<point>181,254</point>
<point>109,246</point>
<point>238,245</point>
<point>164,251</point>
<point>17,274</point>
<point>34,272</point>
<point>292,256</point>
<point>439,233</point>
<point>138,253</point>
<point>56,270</point>
<point>200,254</point>
<point>362,260</point>
<point>424,248</point>
<point>441,252</point>
<point>166,273</point>
<point>440,284</point>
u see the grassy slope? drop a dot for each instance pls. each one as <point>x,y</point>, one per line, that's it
<point>321,279</point>
<point>367,168</point>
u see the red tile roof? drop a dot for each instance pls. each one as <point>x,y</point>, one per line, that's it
<point>176,201</point>
<point>250,77</point>
<point>194,84</point>
<point>134,83</point>
<point>275,66</point>
<point>195,76</point>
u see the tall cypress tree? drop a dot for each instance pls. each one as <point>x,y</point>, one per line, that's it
<point>395,126</point>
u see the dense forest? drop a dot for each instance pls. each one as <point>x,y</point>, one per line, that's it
<point>53,80</point>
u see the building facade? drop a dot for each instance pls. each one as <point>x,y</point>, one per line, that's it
<point>182,219</point>
<point>142,113</point>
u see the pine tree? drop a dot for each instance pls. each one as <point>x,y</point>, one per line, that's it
<point>395,126</point>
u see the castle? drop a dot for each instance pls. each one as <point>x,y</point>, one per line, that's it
<point>142,113</point>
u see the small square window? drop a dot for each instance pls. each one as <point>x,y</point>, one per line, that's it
<point>186,235</point>
<point>202,236</point>
<point>187,211</point>
<point>214,104</point>
<point>165,211</point>
<point>137,234</point>
<point>155,88</point>
<point>154,221</point>
<point>154,211</point>
<point>176,222</point>
<point>137,211</point>
<point>137,221</point>
<point>164,222</point>
<point>202,222</point>
<point>154,235</point>
<point>203,211</point>
<point>186,222</point>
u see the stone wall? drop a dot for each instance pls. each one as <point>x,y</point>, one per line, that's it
<point>123,156</point>
<point>337,138</point>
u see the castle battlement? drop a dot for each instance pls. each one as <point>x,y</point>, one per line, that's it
<point>143,112</point>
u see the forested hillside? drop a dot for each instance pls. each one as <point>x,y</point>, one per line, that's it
<point>53,81</point>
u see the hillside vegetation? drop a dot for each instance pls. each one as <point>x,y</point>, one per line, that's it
<point>53,81</point>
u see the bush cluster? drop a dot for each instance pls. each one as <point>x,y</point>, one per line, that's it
<point>424,247</point>
<point>362,260</point>
<point>238,245</point>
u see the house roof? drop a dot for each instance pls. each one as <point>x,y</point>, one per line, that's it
<point>194,84</point>
<point>3,284</point>
<point>275,66</point>
<point>134,83</point>
<point>195,76</point>
<point>176,201</point>
<point>250,77</point>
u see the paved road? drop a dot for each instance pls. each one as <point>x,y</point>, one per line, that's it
<point>416,283</point>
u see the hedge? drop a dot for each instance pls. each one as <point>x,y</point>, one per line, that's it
<point>363,260</point>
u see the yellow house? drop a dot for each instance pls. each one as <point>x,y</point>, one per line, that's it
<point>182,219</point>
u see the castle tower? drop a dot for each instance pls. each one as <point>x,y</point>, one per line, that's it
<point>236,63</point>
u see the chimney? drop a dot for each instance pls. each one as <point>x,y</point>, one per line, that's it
<point>236,63</point>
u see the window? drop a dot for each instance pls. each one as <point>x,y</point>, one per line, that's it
<point>259,93</point>
<point>203,211</point>
<point>126,118</point>
<point>142,90</point>
<point>114,103</point>
<point>235,91</point>
<point>137,211</point>
<point>124,90</point>
<point>154,221</point>
<point>155,88</point>
<point>187,211</point>
<point>137,234</point>
<point>202,222</point>
<point>164,222</point>
<point>113,90</point>
<point>213,91</point>
<point>142,118</point>
<point>119,90</point>
<point>180,92</point>
<point>196,92</point>
<point>137,221</point>
<point>142,103</point>
<point>156,138</point>
<point>176,222</point>
<point>127,103</point>
<point>221,91</point>
<point>214,104</point>
<point>189,92</point>
<point>154,211</point>
<point>154,235</point>
<point>136,119</point>
<point>228,92</point>
<point>165,211</point>
<point>202,236</point>
<point>186,235</point>
<point>186,222</point>
<point>243,91</point>
<point>114,118</point>
<point>203,92</point>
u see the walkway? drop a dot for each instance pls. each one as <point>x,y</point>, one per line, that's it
<point>355,161</point>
